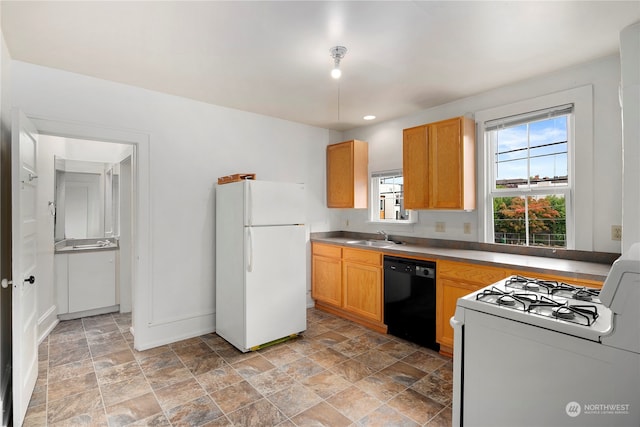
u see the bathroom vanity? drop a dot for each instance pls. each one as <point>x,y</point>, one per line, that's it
<point>85,277</point>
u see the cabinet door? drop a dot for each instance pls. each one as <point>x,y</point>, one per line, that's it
<point>462,272</point>
<point>61,274</point>
<point>326,283</point>
<point>450,291</point>
<point>340,175</point>
<point>363,290</point>
<point>414,168</point>
<point>347,174</point>
<point>439,165</point>
<point>445,164</point>
<point>92,280</point>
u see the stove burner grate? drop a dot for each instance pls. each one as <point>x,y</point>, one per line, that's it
<point>528,284</point>
<point>541,305</point>
<point>507,300</point>
<point>514,300</point>
<point>563,312</point>
<point>575,292</point>
<point>581,314</point>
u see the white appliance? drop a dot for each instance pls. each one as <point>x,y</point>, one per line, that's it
<point>531,352</point>
<point>260,262</point>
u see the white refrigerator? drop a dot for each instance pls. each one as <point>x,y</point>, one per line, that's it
<point>260,262</point>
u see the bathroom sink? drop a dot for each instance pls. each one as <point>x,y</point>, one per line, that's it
<point>97,245</point>
<point>372,243</point>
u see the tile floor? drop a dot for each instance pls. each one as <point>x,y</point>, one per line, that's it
<point>337,374</point>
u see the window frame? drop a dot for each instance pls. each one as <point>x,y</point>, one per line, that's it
<point>374,202</point>
<point>525,192</point>
<point>579,198</point>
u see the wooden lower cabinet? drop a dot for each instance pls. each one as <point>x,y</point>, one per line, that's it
<point>348,283</point>
<point>327,281</point>
<point>362,287</point>
<point>450,291</point>
<point>455,280</point>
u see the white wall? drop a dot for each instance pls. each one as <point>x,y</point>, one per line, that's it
<point>630,60</point>
<point>190,145</point>
<point>95,151</point>
<point>385,152</point>
<point>126,244</point>
<point>48,147</point>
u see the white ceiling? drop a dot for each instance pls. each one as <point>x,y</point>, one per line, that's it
<point>273,57</point>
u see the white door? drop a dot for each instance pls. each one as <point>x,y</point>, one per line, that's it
<point>23,251</point>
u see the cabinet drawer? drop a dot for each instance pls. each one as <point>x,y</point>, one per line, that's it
<point>470,273</point>
<point>362,256</point>
<point>329,251</point>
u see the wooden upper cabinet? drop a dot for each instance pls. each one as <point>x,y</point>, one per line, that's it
<point>439,165</point>
<point>415,158</point>
<point>348,174</point>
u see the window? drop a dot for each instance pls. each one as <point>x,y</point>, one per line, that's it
<point>530,185</point>
<point>387,198</point>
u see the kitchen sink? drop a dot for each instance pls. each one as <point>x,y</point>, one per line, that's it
<point>373,243</point>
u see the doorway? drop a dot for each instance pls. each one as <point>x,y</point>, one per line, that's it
<point>138,165</point>
<point>138,172</point>
<point>84,196</point>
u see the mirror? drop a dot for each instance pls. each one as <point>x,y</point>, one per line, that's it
<point>86,199</point>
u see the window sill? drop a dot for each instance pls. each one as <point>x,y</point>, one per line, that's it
<point>393,221</point>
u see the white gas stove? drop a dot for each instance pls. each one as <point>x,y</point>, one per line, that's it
<point>524,343</point>
<point>553,305</point>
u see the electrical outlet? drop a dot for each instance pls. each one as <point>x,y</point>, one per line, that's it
<point>467,228</point>
<point>616,232</point>
<point>440,227</point>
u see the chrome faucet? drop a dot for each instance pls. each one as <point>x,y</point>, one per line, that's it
<point>386,236</point>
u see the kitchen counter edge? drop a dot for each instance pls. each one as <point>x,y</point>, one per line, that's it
<point>526,263</point>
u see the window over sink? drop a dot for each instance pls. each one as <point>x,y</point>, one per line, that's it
<point>387,198</point>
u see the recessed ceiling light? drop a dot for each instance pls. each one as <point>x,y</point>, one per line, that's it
<point>369,117</point>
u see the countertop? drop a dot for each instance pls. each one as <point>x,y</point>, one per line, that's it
<point>535,264</point>
<point>85,245</point>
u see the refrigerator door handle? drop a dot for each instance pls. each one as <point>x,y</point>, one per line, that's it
<point>249,250</point>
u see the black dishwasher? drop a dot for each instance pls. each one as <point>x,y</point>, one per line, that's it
<point>410,300</point>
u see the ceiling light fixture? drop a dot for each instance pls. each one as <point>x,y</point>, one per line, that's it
<point>337,53</point>
<point>369,117</point>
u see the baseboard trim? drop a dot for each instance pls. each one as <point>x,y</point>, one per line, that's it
<point>87,313</point>
<point>371,324</point>
<point>157,335</point>
<point>47,322</point>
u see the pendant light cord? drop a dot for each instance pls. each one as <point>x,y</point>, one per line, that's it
<point>338,101</point>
